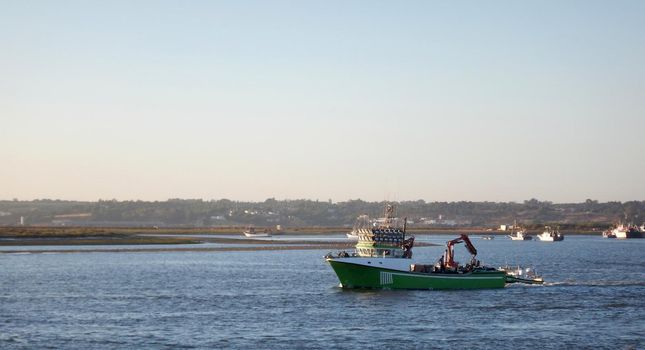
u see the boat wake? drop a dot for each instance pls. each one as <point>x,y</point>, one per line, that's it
<point>596,284</point>
<point>526,285</point>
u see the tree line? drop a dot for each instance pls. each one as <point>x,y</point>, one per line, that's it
<point>303,212</point>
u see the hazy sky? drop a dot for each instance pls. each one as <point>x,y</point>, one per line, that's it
<point>397,100</point>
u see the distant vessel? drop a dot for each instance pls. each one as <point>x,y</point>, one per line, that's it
<point>383,259</point>
<point>609,233</point>
<point>488,238</point>
<point>622,231</point>
<point>251,232</point>
<point>520,235</point>
<point>550,235</point>
<point>362,224</point>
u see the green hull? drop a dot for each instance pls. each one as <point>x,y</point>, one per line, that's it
<point>360,276</point>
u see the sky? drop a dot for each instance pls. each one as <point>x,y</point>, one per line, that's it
<point>377,100</point>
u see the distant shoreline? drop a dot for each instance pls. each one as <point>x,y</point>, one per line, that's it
<point>88,236</point>
<point>189,249</point>
<point>192,244</point>
<point>72,231</point>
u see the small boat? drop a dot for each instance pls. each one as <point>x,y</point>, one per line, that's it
<point>521,275</point>
<point>383,260</point>
<point>608,233</point>
<point>251,232</point>
<point>362,223</point>
<point>520,235</point>
<point>488,238</point>
<point>352,236</point>
<point>550,235</point>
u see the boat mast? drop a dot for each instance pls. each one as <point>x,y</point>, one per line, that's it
<point>405,225</point>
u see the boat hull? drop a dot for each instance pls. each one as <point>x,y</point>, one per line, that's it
<point>628,234</point>
<point>550,239</point>
<point>247,234</point>
<point>355,274</point>
<point>525,238</point>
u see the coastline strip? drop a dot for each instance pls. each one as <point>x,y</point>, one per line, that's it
<point>187,249</point>
<point>285,245</point>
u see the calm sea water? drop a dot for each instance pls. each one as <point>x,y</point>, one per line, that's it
<point>594,298</point>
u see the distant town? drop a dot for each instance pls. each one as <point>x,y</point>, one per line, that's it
<point>299,213</point>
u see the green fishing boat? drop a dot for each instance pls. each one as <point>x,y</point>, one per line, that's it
<point>383,259</point>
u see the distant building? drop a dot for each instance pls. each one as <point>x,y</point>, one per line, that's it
<point>445,222</point>
<point>22,221</point>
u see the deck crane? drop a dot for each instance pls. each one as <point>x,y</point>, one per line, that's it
<point>449,256</point>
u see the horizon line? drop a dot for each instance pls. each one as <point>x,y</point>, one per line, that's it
<point>314,200</point>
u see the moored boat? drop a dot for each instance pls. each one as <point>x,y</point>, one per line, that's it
<point>550,235</point>
<point>623,231</point>
<point>252,232</point>
<point>362,224</point>
<point>352,236</point>
<point>520,235</point>
<point>608,233</point>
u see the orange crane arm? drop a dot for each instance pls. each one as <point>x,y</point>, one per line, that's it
<point>449,256</point>
<point>469,245</point>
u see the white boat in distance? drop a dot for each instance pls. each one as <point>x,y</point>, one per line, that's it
<point>608,233</point>
<point>251,232</point>
<point>520,235</point>
<point>550,235</point>
<point>364,224</point>
<point>623,231</point>
<point>361,225</point>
